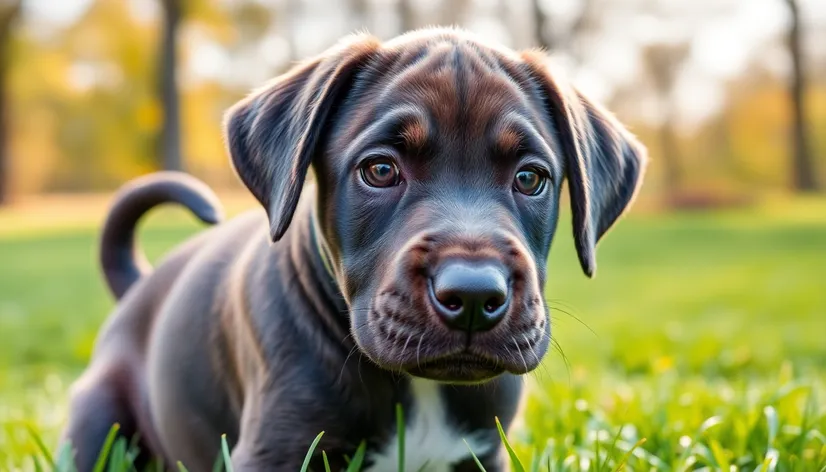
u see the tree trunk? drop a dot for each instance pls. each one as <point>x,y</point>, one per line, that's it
<point>289,18</point>
<point>670,155</point>
<point>360,12</point>
<point>7,17</point>
<point>540,22</point>
<point>802,161</point>
<point>170,100</point>
<point>407,17</point>
<point>453,12</point>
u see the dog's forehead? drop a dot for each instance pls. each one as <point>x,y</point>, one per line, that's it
<point>458,84</point>
<point>455,83</point>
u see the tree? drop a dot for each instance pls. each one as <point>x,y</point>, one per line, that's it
<point>407,16</point>
<point>568,36</point>
<point>360,14</point>
<point>9,11</point>
<point>453,12</point>
<point>170,136</point>
<point>803,171</point>
<point>663,62</point>
<point>540,21</point>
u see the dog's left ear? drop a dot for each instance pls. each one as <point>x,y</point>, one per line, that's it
<point>274,133</point>
<point>604,162</point>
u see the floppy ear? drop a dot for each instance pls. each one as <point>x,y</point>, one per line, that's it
<point>275,132</point>
<point>604,162</point>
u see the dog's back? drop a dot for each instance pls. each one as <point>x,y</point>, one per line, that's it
<point>110,389</point>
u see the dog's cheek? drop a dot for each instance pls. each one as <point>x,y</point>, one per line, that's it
<point>362,327</point>
<point>540,221</point>
<point>543,332</point>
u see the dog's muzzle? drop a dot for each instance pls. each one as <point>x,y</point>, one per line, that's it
<point>458,308</point>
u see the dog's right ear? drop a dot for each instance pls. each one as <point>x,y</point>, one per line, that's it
<point>275,132</point>
<point>604,162</point>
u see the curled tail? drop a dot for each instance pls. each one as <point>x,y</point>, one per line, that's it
<point>122,261</point>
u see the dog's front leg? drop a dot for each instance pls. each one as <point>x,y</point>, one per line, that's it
<point>259,457</point>
<point>274,435</point>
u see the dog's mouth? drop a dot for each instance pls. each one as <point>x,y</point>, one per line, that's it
<point>462,367</point>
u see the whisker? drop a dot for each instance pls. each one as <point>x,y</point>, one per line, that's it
<point>559,301</point>
<point>528,342</point>
<point>524,364</point>
<point>418,350</point>
<point>404,349</point>
<point>539,365</point>
<point>576,318</point>
<point>344,364</point>
<point>558,348</point>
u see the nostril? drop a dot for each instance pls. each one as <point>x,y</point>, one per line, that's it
<point>452,303</point>
<point>494,303</point>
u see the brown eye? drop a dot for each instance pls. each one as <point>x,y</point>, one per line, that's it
<point>380,172</point>
<point>529,181</point>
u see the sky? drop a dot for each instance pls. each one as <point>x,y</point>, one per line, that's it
<point>724,37</point>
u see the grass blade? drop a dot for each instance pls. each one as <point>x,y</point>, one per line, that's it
<point>719,455</point>
<point>107,446</point>
<point>475,459</point>
<point>400,434</point>
<point>423,468</point>
<point>326,462</point>
<point>709,423</point>
<point>306,466</point>
<point>225,452</point>
<point>358,458</point>
<point>535,461</point>
<point>181,467</point>
<point>597,462</point>
<point>515,462</point>
<point>42,449</point>
<point>117,459</point>
<point>218,466</point>
<point>772,422</point>
<point>36,462</point>
<point>613,448</point>
<point>65,459</point>
<point>628,454</point>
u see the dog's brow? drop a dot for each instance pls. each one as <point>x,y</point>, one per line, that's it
<point>509,139</point>
<point>414,133</point>
<point>406,121</point>
<point>514,134</point>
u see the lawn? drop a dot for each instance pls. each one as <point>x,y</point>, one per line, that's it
<point>702,339</point>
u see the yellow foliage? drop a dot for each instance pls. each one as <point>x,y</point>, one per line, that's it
<point>85,113</point>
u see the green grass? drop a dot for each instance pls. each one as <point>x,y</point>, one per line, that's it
<point>703,334</point>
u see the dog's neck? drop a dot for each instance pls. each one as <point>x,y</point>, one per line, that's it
<point>309,250</point>
<point>320,246</point>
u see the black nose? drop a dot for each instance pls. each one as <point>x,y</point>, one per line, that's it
<point>470,296</point>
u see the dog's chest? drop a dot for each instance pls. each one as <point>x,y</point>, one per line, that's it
<point>430,442</point>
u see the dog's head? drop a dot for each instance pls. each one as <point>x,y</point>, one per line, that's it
<point>439,162</point>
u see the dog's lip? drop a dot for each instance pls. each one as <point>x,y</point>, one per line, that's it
<point>460,367</point>
<point>463,359</point>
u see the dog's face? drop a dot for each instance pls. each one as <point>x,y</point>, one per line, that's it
<point>439,163</point>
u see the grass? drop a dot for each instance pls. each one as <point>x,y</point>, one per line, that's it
<point>700,344</point>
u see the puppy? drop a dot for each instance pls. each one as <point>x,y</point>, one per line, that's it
<point>410,272</point>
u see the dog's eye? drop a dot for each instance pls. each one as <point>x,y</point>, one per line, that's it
<point>380,172</point>
<point>529,181</point>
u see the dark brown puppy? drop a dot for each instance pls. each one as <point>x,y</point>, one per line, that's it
<point>411,272</point>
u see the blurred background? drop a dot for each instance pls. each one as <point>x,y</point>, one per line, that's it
<point>714,283</point>
<point>728,94</point>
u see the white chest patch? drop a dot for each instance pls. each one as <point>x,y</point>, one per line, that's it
<point>430,443</point>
